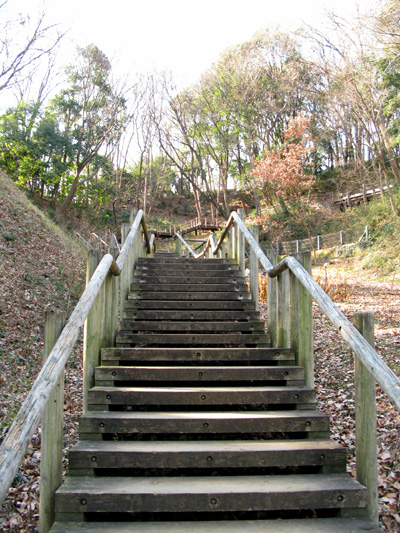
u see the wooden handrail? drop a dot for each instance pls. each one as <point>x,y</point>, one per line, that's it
<point>25,423</point>
<point>383,375</point>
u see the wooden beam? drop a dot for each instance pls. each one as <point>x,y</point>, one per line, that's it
<point>52,430</point>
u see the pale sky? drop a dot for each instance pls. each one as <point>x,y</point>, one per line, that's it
<point>184,36</point>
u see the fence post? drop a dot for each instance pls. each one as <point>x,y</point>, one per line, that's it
<point>283,314</point>
<point>52,430</point>
<point>240,250</point>
<point>301,321</point>
<point>255,231</point>
<point>178,247</point>
<point>231,243</point>
<point>272,300</point>
<point>111,306</point>
<point>93,336</point>
<point>342,238</point>
<point>365,411</point>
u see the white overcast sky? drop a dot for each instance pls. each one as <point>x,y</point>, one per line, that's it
<point>184,36</point>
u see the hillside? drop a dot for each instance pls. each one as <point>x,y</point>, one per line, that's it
<point>40,269</point>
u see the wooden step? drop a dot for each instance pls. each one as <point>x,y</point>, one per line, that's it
<point>208,305</point>
<point>188,287</point>
<point>207,423</point>
<point>206,454</point>
<point>320,525</point>
<point>190,295</point>
<point>199,373</point>
<point>137,396</point>
<point>193,339</point>
<point>181,326</point>
<point>246,355</point>
<point>192,315</point>
<point>208,494</point>
<point>146,277</point>
<point>193,266</point>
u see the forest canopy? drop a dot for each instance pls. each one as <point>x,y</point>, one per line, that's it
<point>95,139</point>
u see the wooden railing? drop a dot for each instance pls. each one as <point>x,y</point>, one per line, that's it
<point>291,289</point>
<point>97,310</point>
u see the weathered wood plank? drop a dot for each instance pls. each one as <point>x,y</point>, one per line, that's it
<point>190,304</point>
<point>194,339</point>
<point>327,525</point>
<point>191,315</point>
<point>190,295</point>
<point>209,423</point>
<point>181,326</point>
<point>201,373</point>
<point>200,396</point>
<point>209,494</point>
<point>206,454</point>
<point>198,287</point>
<point>198,354</point>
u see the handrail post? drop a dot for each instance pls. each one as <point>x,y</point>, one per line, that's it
<point>272,301</point>
<point>255,231</point>
<point>52,430</point>
<point>124,277</point>
<point>301,321</point>
<point>365,419</point>
<point>93,337</point>
<point>178,247</point>
<point>240,243</point>
<point>111,306</point>
<point>231,238</point>
<point>283,314</point>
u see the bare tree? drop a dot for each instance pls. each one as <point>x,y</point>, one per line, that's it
<point>23,44</point>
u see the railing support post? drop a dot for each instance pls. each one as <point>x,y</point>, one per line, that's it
<point>365,418</point>
<point>52,430</point>
<point>231,234</point>
<point>283,314</point>
<point>178,247</point>
<point>272,299</point>
<point>111,306</point>
<point>93,338</point>
<point>301,321</point>
<point>254,230</point>
<point>240,243</point>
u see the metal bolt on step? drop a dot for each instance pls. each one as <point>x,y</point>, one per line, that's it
<point>101,425</point>
<point>308,423</point>
<point>203,397</point>
<point>113,374</point>
<point>340,498</point>
<point>93,459</point>
<point>286,373</point>
<point>296,396</point>
<point>322,457</point>
<point>213,501</point>
<point>108,396</point>
<point>209,458</point>
<point>205,425</point>
<point>83,501</point>
<point>200,374</point>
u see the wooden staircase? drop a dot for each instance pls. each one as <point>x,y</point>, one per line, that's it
<point>197,424</point>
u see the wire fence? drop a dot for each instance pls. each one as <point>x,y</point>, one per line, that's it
<point>319,242</point>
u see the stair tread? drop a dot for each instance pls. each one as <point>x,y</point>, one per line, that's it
<point>212,415</point>
<point>325,525</point>
<point>209,485</point>
<point>247,446</point>
<point>246,388</point>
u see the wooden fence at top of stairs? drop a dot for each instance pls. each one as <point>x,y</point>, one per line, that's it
<point>196,418</point>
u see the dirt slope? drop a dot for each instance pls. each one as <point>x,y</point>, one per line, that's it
<point>40,269</point>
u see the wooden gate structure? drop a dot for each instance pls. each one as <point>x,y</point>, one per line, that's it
<point>195,418</point>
